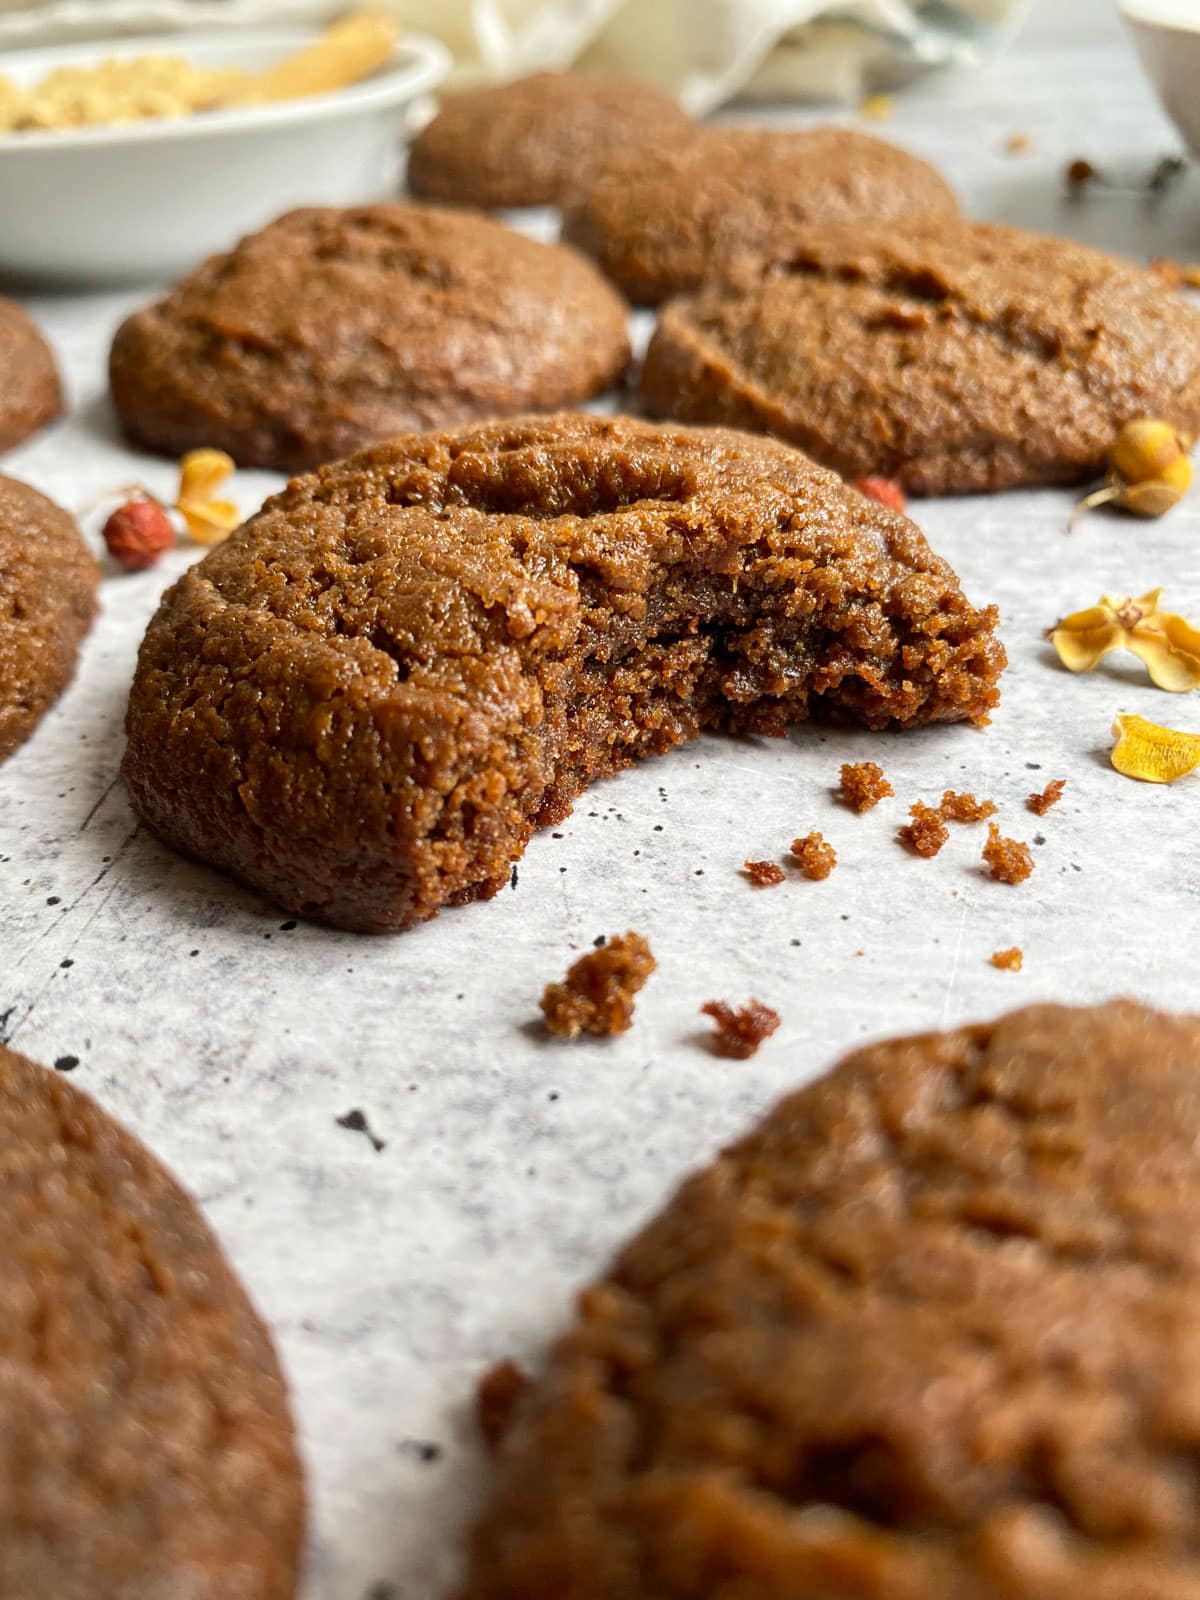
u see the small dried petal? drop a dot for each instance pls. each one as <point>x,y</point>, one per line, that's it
<point>1083,639</point>
<point>209,521</point>
<point>202,472</point>
<point>1170,648</point>
<point>1153,754</point>
<point>878,107</point>
<point>886,491</point>
<point>1168,644</point>
<point>1156,496</point>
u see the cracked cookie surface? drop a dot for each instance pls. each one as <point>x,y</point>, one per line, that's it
<point>951,357</point>
<point>532,142</point>
<point>927,1333</point>
<point>48,583</point>
<point>146,1446</point>
<point>367,699</point>
<point>667,219</point>
<point>331,329</point>
<point>31,395</point>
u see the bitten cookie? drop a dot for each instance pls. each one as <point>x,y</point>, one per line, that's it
<point>367,699</point>
<point>48,583</point>
<point>928,1332</point>
<point>534,141</point>
<point>31,391</point>
<point>953,358</point>
<point>146,1446</point>
<point>667,219</point>
<point>332,329</point>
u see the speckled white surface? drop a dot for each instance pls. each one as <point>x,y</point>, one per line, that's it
<point>511,1165</point>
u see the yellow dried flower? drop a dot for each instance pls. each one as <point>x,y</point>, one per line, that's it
<point>878,107</point>
<point>1168,644</point>
<point>1149,470</point>
<point>1151,753</point>
<point>201,473</point>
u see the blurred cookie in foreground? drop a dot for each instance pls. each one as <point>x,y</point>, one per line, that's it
<point>31,394</point>
<point>664,220</point>
<point>146,1444</point>
<point>48,583</point>
<point>533,142</point>
<point>950,357</point>
<point>334,328</point>
<point>927,1331</point>
<point>442,641</point>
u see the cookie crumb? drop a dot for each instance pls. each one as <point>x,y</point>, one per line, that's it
<point>965,808</point>
<point>1050,796</point>
<point>1019,144</point>
<point>926,833</point>
<point>740,1029</point>
<point>1010,960</point>
<point>814,857</point>
<point>496,1397</point>
<point>597,994</point>
<point>765,874</point>
<point>1008,860</point>
<point>863,785</point>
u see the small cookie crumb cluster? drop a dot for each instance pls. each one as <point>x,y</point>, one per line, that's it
<point>863,785</point>
<point>1010,960</point>
<point>965,808</point>
<point>927,832</point>
<point>1050,796</point>
<point>597,994</point>
<point>814,857</point>
<point>740,1029</point>
<point>1008,860</point>
<point>765,874</point>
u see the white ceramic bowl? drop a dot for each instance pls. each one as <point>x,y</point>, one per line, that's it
<point>150,199</point>
<point>1167,34</point>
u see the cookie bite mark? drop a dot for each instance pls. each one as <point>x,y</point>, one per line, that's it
<point>365,702</point>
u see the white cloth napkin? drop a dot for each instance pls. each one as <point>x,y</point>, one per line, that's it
<point>703,51</point>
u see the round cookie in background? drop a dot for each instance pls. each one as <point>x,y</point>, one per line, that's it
<point>532,142</point>
<point>445,639</point>
<point>928,1331</point>
<point>663,221</point>
<point>332,329</point>
<point>953,357</point>
<point>146,1442</point>
<point>48,582</point>
<point>31,393</point>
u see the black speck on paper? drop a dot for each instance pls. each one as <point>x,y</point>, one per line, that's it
<point>66,1063</point>
<point>599,941</point>
<point>424,1450</point>
<point>513,880</point>
<point>356,1122</point>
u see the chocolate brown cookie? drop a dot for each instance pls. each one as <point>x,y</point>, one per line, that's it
<point>951,357</point>
<point>31,391</point>
<point>666,220</point>
<point>533,142</point>
<point>927,1333</point>
<point>365,702</point>
<point>332,329</point>
<point>48,583</point>
<point>146,1448</point>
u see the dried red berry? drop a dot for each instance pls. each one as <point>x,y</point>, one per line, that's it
<point>886,490</point>
<point>137,533</point>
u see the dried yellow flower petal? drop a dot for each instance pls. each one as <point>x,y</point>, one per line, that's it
<point>202,472</point>
<point>209,521</point>
<point>1151,753</point>
<point>878,107</point>
<point>1167,644</point>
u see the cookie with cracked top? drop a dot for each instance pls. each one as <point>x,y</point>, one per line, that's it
<point>146,1444</point>
<point>952,357</point>
<point>332,329</point>
<point>928,1331</point>
<point>668,218</point>
<point>365,701</point>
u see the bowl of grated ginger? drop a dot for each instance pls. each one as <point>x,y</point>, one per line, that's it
<point>133,160</point>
